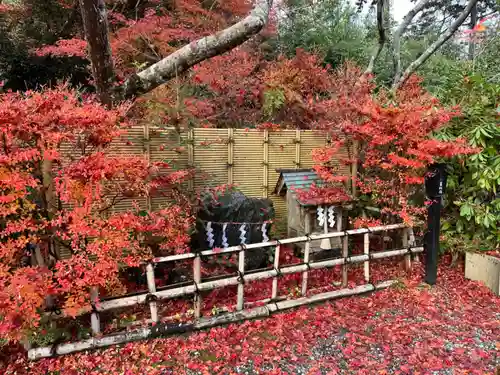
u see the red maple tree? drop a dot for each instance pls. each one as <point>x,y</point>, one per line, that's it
<point>50,201</point>
<point>390,138</point>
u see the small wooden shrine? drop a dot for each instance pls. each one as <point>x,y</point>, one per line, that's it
<point>310,216</point>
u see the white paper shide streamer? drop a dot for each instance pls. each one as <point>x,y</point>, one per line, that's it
<point>243,233</point>
<point>210,234</point>
<point>265,238</point>
<point>224,238</point>
<point>331,216</point>
<point>320,215</point>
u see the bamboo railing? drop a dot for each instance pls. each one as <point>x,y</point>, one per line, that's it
<point>274,304</point>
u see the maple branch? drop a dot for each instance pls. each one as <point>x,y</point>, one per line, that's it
<point>197,51</point>
<point>381,36</point>
<point>435,46</point>
<point>397,37</point>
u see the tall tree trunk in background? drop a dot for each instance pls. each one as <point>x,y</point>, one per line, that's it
<point>396,58</point>
<point>473,22</point>
<point>95,26</point>
<point>381,9</point>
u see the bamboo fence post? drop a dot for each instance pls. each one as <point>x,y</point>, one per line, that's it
<point>407,259</point>
<point>147,154</point>
<point>345,254</point>
<point>274,293</point>
<point>266,164</point>
<point>366,248</point>
<point>150,274</point>
<point>297,148</point>
<point>354,169</point>
<point>197,280</point>
<point>413,242</point>
<point>190,142</point>
<point>230,156</point>
<point>241,285</point>
<point>95,321</point>
<point>307,248</point>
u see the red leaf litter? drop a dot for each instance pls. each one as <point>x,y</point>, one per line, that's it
<point>411,328</point>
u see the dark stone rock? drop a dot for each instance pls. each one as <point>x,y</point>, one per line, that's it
<point>235,207</point>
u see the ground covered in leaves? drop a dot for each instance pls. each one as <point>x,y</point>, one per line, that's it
<point>452,328</point>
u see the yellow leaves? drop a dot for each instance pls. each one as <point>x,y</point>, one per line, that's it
<point>77,190</point>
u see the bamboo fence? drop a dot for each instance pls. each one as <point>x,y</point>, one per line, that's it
<point>247,158</point>
<point>272,305</point>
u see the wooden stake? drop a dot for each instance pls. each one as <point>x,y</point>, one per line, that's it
<point>413,242</point>
<point>407,260</point>
<point>150,274</point>
<point>274,293</point>
<point>95,321</point>
<point>197,280</point>
<point>307,249</point>
<point>345,254</point>
<point>366,246</point>
<point>241,285</point>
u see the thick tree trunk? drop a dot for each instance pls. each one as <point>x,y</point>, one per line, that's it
<point>95,25</point>
<point>435,46</point>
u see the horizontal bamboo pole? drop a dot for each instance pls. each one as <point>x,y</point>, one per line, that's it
<point>162,330</point>
<point>233,280</point>
<point>286,241</point>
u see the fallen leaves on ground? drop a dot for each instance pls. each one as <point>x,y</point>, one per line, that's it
<point>451,328</point>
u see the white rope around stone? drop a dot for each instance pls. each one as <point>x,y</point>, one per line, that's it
<point>210,235</point>
<point>224,238</point>
<point>265,238</point>
<point>243,233</point>
<point>320,215</point>
<point>331,216</point>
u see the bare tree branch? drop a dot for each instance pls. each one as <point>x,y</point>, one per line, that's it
<point>436,45</point>
<point>399,32</point>
<point>197,51</point>
<point>381,36</point>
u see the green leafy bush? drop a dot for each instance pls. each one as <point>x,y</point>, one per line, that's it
<point>473,202</point>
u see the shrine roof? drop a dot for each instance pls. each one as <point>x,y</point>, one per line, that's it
<point>295,179</point>
<point>303,179</point>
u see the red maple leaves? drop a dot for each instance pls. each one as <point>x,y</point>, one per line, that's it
<point>59,187</point>
<point>393,135</point>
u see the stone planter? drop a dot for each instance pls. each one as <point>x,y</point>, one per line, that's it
<point>483,268</point>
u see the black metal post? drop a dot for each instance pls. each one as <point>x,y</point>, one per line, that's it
<point>435,186</point>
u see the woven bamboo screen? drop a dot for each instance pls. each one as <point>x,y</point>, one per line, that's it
<point>246,158</point>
